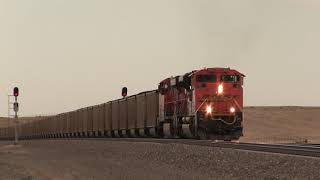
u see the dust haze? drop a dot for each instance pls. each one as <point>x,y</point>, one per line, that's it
<point>71,54</point>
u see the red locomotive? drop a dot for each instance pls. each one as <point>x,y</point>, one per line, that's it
<point>207,103</point>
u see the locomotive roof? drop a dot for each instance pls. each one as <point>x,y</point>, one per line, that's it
<point>216,70</point>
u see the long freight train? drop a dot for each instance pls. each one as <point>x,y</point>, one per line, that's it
<point>202,104</point>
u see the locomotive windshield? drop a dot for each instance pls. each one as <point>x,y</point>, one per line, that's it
<point>230,78</point>
<point>206,78</point>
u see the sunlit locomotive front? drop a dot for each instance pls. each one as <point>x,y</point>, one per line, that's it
<point>206,104</point>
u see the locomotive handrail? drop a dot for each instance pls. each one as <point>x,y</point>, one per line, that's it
<point>196,118</point>
<point>201,105</point>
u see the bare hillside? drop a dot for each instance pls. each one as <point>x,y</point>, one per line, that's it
<point>282,124</point>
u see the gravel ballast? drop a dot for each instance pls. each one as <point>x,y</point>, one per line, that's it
<point>82,159</point>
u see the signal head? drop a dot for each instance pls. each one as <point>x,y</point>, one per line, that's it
<point>16,92</point>
<point>124,92</point>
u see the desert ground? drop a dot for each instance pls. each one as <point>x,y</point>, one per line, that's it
<point>83,159</point>
<point>282,124</point>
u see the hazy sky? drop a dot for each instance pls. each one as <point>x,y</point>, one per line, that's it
<point>67,54</point>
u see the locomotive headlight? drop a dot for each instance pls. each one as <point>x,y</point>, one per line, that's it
<point>232,110</point>
<point>220,89</point>
<point>209,110</point>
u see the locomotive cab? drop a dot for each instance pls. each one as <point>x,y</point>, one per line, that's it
<point>219,101</point>
<point>208,102</point>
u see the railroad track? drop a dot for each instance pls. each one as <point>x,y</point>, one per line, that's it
<point>300,150</point>
<point>309,150</point>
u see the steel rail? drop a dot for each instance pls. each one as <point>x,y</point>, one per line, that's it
<point>308,150</point>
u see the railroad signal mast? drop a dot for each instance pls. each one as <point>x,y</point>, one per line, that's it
<point>16,109</point>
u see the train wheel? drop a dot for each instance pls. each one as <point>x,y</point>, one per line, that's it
<point>116,134</point>
<point>133,133</point>
<point>142,133</point>
<point>202,134</point>
<point>124,133</point>
<point>152,132</point>
<point>167,130</point>
<point>186,130</point>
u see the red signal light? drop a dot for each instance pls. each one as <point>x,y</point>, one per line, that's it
<point>16,92</point>
<point>124,92</point>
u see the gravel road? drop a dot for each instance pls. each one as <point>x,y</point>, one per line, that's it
<point>81,159</point>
